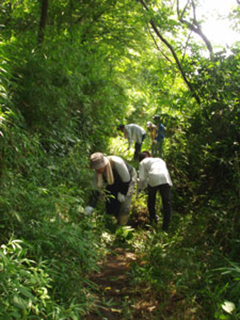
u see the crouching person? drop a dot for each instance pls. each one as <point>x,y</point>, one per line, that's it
<point>153,172</point>
<point>117,178</point>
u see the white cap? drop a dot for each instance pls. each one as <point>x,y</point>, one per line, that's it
<point>149,124</point>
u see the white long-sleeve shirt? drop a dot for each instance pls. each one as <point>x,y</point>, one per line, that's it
<point>134,133</point>
<point>154,172</point>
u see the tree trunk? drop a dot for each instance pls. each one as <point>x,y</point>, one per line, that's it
<point>43,21</point>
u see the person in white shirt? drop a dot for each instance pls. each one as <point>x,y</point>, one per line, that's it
<point>117,178</point>
<point>134,133</point>
<point>153,173</point>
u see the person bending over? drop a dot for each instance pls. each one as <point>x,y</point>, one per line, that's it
<point>117,178</point>
<point>154,174</point>
<point>134,133</point>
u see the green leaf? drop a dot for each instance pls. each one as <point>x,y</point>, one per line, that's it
<point>20,302</point>
<point>26,292</point>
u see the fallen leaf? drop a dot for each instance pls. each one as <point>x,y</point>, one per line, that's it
<point>107,288</point>
<point>116,310</point>
<point>228,306</point>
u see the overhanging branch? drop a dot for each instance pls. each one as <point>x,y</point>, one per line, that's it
<point>195,26</point>
<point>157,46</point>
<point>160,36</point>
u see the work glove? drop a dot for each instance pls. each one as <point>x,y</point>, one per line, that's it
<point>89,210</point>
<point>121,197</point>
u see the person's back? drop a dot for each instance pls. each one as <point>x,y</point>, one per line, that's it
<point>160,136</point>
<point>154,174</point>
<point>117,178</point>
<point>134,132</point>
<point>155,171</point>
<point>160,132</point>
<point>153,130</point>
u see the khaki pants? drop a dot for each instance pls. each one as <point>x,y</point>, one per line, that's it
<point>125,206</point>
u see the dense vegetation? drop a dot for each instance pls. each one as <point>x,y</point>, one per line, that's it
<point>71,71</point>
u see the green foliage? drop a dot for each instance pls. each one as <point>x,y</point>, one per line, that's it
<point>25,284</point>
<point>32,289</point>
<point>99,65</point>
<point>186,271</point>
<point>124,233</point>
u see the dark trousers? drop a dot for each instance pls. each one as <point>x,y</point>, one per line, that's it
<point>112,203</point>
<point>138,147</point>
<point>165,192</point>
<point>113,206</point>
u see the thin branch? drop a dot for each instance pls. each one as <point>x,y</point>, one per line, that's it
<point>157,46</point>
<point>160,36</point>
<point>194,12</point>
<point>195,26</point>
<point>186,45</point>
<point>184,9</point>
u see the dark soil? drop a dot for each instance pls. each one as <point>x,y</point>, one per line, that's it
<point>117,298</point>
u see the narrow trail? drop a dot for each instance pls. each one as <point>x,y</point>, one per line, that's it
<point>117,298</point>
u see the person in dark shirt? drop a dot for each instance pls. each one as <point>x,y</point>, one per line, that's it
<point>159,138</point>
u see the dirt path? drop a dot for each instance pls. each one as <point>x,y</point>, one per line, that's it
<point>116,297</point>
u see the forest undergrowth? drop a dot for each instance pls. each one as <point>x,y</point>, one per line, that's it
<point>149,274</point>
<point>71,73</point>
<point>186,273</point>
<point>55,259</point>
